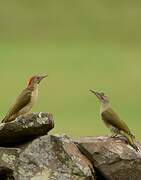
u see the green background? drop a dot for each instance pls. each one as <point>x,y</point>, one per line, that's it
<point>81,45</point>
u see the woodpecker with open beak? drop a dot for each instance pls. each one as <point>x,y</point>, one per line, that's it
<point>25,100</point>
<point>113,121</point>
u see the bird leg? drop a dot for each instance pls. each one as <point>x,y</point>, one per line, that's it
<point>114,135</point>
<point>115,132</point>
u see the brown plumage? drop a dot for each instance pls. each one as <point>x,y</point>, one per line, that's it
<point>113,121</point>
<point>25,100</point>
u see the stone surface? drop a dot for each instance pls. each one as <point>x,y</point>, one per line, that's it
<point>8,157</point>
<point>25,128</point>
<point>28,153</point>
<point>112,158</point>
<point>46,158</point>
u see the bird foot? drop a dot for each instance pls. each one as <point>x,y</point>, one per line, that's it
<point>113,135</point>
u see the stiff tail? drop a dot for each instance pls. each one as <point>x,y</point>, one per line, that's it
<point>7,118</point>
<point>3,120</point>
<point>130,139</point>
<point>134,146</point>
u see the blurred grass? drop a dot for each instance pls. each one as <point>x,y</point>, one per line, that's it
<point>73,69</point>
<point>81,45</point>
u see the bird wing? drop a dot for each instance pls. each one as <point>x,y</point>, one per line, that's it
<point>110,117</point>
<point>22,100</point>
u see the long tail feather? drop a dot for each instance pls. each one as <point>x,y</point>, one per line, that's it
<point>134,146</point>
<point>130,139</point>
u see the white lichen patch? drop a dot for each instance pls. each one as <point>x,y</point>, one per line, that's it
<point>64,138</point>
<point>81,168</point>
<point>87,171</point>
<point>24,173</point>
<point>30,124</point>
<point>8,159</point>
<point>25,127</point>
<point>21,170</point>
<point>40,114</point>
<point>17,119</point>
<point>43,121</point>
<point>44,175</point>
<point>57,135</point>
<point>103,138</point>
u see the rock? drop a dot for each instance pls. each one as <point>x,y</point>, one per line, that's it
<point>46,158</point>
<point>112,158</point>
<point>28,153</point>
<point>8,157</point>
<point>25,128</point>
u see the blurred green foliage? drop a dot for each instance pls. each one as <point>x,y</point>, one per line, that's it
<point>81,45</point>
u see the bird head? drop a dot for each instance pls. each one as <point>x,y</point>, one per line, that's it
<point>36,79</point>
<point>101,96</point>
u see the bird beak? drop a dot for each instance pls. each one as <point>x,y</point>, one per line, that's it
<point>42,77</point>
<point>96,93</point>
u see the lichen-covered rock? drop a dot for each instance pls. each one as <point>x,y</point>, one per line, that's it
<point>112,158</point>
<point>45,158</point>
<point>28,153</point>
<point>8,157</point>
<point>53,158</point>
<point>25,128</point>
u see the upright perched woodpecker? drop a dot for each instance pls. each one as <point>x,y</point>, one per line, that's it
<point>25,100</point>
<point>113,121</point>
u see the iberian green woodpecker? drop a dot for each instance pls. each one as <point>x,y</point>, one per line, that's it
<point>25,101</point>
<point>113,121</point>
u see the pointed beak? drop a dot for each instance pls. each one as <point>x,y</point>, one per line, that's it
<point>96,93</point>
<point>42,77</point>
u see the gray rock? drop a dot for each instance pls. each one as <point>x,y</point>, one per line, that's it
<point>8,157</point>
<point>46,158</point>
<point>28,153</point>
<point>25,128</point>
<point>112,158</point>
